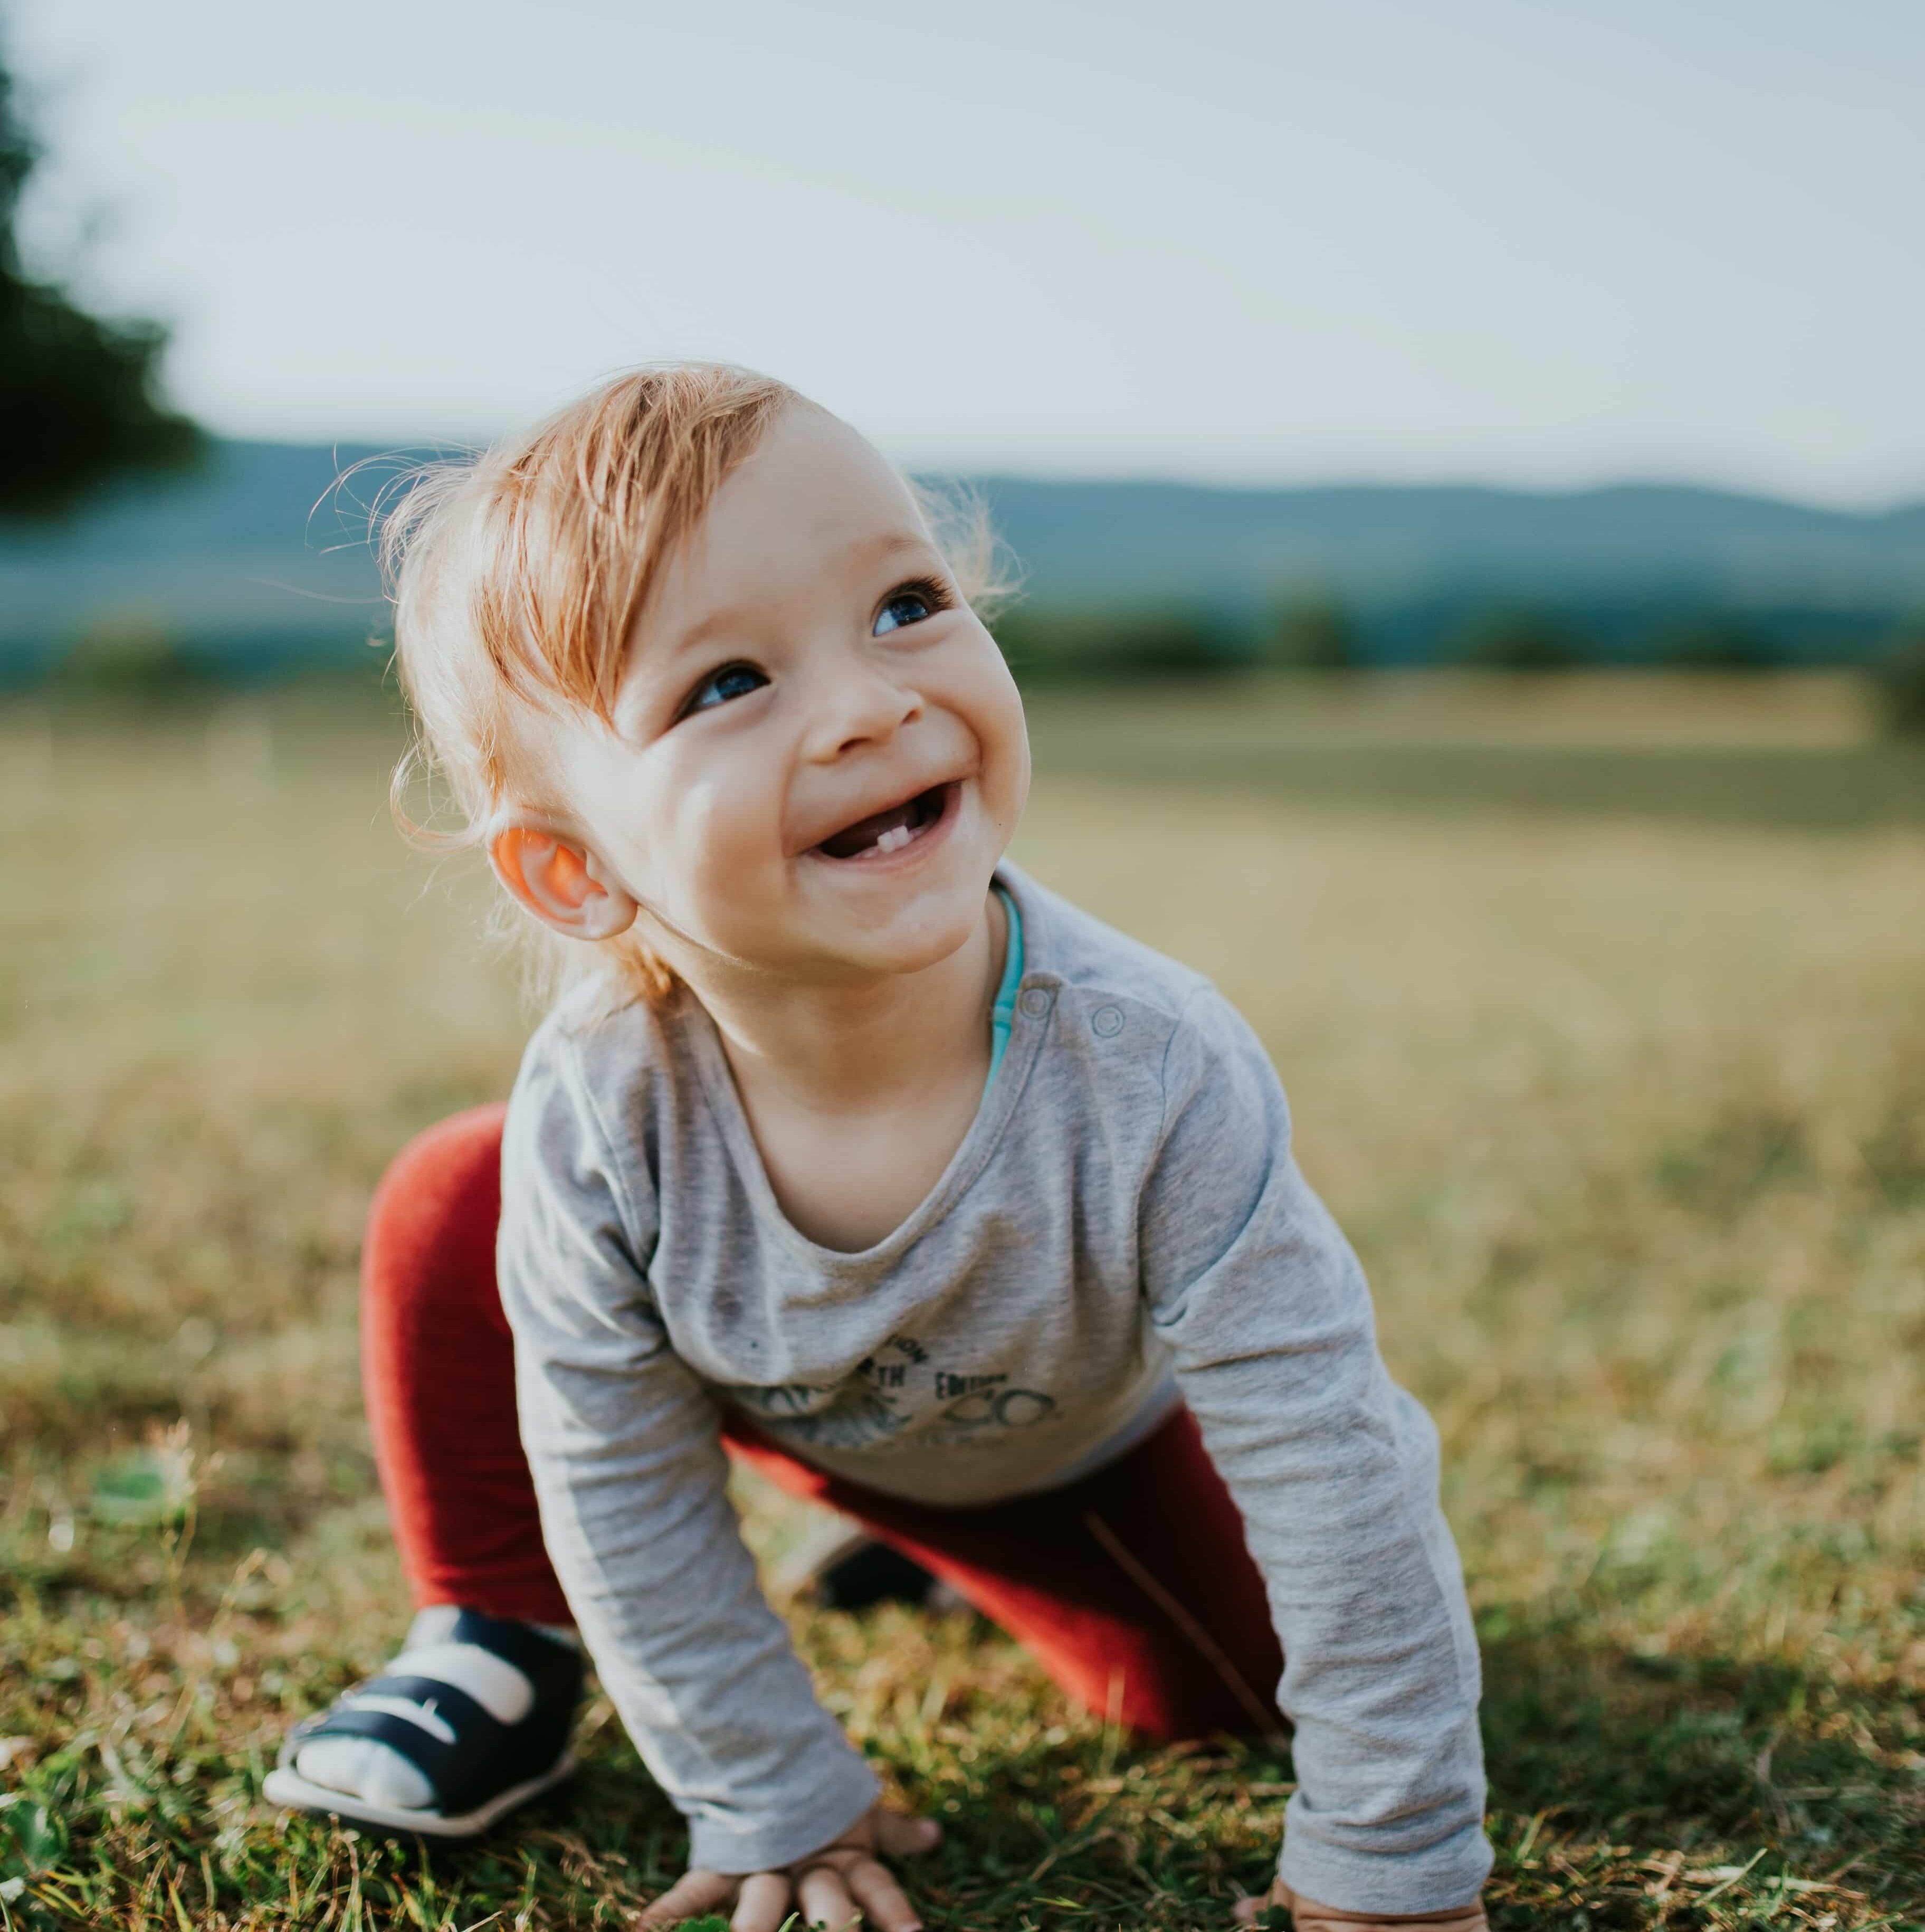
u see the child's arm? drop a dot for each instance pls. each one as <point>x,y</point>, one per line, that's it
<point>1334,1469</point>
<point>622,1440</point>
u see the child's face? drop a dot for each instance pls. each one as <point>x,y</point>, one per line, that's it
<point>819,753</point>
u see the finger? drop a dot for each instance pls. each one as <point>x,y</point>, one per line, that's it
<point>825,1899</point>
<point>884,1902</point>
<point>693,1895</point>
<point>901,1837</point>
<point>762,1904</point>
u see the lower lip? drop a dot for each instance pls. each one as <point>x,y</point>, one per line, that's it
<point>931,835</point>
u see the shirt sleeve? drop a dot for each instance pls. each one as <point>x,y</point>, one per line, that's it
<point>624,1443</point>
<point>1335,1470</point>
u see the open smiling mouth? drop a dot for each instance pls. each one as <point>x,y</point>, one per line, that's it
<point>882,832</point>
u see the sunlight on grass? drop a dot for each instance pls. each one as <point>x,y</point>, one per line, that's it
<point>1625,1111</point>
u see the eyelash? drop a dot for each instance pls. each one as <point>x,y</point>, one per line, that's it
<point>931,591</point>
<point>691,705</point>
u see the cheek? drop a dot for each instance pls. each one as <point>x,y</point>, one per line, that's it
<point>721,829</point>
<point>1003,732</point>
<point>1019,786</point>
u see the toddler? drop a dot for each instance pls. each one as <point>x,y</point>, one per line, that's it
<point>860,1158</point>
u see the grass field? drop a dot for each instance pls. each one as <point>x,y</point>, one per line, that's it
<point>1600,1006</point>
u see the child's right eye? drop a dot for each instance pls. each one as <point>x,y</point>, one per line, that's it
<point>735,680</point>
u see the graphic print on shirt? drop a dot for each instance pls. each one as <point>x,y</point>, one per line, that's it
<point>985,1401</point>
<point>866,1409</point>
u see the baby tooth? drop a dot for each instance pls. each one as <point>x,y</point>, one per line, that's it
<point>894,839</point>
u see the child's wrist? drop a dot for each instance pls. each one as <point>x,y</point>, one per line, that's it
<point>1308,1914</point>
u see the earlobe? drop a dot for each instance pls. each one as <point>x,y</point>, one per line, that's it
<point>563,883</point>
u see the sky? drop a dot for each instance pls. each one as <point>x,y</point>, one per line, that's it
<point>1518,241</point>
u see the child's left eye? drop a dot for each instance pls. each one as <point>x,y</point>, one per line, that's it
<point>909,605</point>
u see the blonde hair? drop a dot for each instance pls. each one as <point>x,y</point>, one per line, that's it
<point>517,576</point>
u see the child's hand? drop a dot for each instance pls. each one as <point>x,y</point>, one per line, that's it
<point>843,1882</point>
<point>1311,1917</point>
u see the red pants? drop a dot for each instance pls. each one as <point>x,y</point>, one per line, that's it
<point>1133,1588</point>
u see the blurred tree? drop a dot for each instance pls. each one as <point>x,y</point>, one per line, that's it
<point>131,655</point>
<point>1714,642</point>
<point>1901,678</point>
<point>1514,640</point>
<point>1316,635</point>
<point>1151,642</point>
<point>79,399</point>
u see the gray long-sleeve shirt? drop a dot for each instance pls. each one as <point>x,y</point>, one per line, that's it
<point>1125,1207</point>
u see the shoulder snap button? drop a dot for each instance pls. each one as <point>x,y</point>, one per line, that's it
<point>1106,1022</point>
<point>1034,1002</point>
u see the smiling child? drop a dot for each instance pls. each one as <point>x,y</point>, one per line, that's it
<point>857,1155</point>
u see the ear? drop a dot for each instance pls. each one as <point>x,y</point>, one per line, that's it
<point>561,882</point>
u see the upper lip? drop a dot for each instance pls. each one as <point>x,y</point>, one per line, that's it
<point>893,800</point>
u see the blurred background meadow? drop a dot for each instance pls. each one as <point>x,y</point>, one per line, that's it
<point>1467,483</point>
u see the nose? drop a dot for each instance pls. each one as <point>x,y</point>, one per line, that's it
<point>858,704</point>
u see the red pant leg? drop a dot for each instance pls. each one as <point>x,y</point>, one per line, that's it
<point>438,1369</point>
<point>1134,1588</point>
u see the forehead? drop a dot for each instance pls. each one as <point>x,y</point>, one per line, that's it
<point>813,497</point>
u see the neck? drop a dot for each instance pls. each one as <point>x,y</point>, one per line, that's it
<point>854,1047</point>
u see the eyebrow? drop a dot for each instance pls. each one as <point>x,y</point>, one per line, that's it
<point>891,544</point>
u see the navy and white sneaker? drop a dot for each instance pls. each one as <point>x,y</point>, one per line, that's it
<point>470,1720</point>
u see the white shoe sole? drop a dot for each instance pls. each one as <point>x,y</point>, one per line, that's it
<point>286,1786</point>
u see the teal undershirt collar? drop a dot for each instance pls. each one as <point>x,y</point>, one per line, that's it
<point>1003,1015</point>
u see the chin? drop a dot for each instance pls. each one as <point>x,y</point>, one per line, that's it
<point>918,935</point>
<point>916,947</point>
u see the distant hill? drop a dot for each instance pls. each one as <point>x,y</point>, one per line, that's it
<point>1384,543</point>
<point>261,558</point>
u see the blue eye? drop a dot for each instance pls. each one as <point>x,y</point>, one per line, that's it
<point>732,681</point>
<point>906,606</point>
